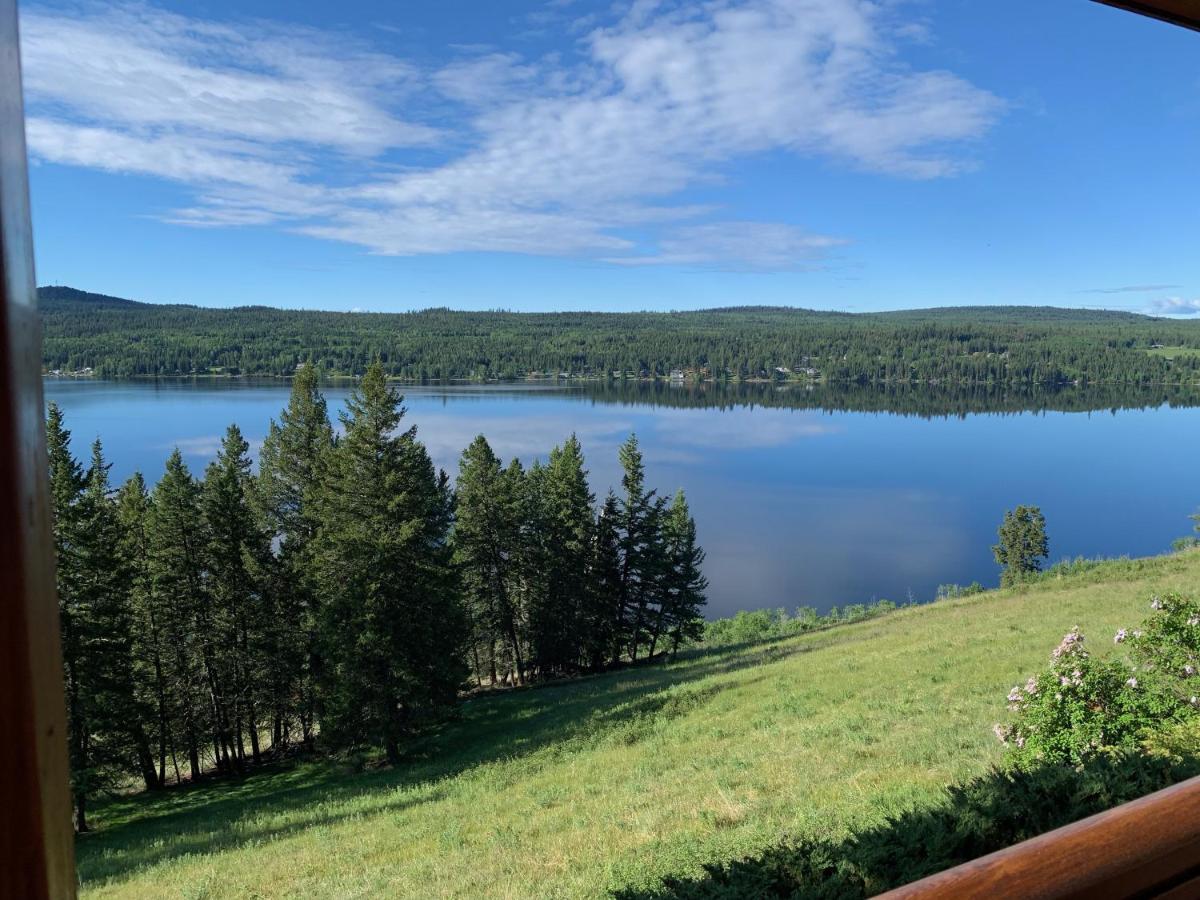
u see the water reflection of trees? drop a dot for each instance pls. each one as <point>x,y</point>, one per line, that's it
<point>927,401</point>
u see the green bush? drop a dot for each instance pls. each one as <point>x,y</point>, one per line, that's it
<point>772,624</point>
<point>955,591</point>
<point>1081,706</point>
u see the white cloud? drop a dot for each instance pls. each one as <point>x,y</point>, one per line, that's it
<point>1175,306</point>
<point>277,124</point>
<point>751,245</point>
<point>145,69</point>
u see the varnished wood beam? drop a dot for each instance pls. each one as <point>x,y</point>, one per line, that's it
<point>1147,848</point>
<point>37,859</point>
<point>1178,12</point>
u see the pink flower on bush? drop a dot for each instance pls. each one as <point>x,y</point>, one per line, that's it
<point>1120,636</point>
<point>1071,643</point>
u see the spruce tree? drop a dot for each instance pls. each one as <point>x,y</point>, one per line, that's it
<point>486,539</point>
<point>684,597</point>
<point>391,631</point>
<point>289,472</point>
<point>67,483</point>
<point>639,545</point>
<point>564,527</point>
<point>235,554</point>
<point>106,591</point>
<point>605,632</point>
<point>1023,544</point>
<point>148,643</point>
<point>176,563</point>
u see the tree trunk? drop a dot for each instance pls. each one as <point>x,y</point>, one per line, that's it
<point>145,758</point>
<point>255,750</point>
<point>80,812</point>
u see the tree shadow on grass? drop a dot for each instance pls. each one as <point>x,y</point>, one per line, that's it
<point>975,818</point>
<point>622,707</point>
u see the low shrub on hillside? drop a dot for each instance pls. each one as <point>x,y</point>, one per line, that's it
<point>1081,706</point>
<point>955,591</point>
<point>771,624</point>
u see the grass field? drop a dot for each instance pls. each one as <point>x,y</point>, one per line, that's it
<point>576,789</point>
<point>1174,352</point>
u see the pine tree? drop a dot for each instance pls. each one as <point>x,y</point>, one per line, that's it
<point>391,630</point>
<point>487,526</point>
<point>289,472</point>
<point>605,629</point>
<point>640,548</point>
<point>563,524</point>
<point>176,563</point>
<point>235,554</point>
<point>106,590</point>
<point>148,643</point>
<point>1023,544</point>
<point>67,483</point>
<point>684,597</point>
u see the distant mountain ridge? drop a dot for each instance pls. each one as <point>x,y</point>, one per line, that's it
<point>55,294</point>
<point>990,345</point>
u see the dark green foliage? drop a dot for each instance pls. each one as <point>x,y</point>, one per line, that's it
<point>563,537</point>
<point>978,817</point>
<point>554,587</point>
<point>176,566</point>
<point>238,566</point>
<point>975,345</point>
<point>342,592</point>
<point>683,596</point>
<point>487,543</point>
<point>1023,544</point>
<point>390,628</point>
<point>289,472</point>
<point>104,736</point>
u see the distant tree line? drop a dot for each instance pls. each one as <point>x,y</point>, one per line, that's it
<point>345,594</point>
<point>966,345</point>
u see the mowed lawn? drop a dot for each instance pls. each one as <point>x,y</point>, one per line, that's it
<point>576,789</point>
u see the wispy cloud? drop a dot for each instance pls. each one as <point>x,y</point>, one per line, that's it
<point>584,154</point>
<point>1175,306</point>
<point>1131,289</point>
<point>749,245</point>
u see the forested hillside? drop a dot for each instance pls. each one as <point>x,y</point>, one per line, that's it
<point>991,345</point>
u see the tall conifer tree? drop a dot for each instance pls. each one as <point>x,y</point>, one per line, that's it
<point>392,628</point>
<point>176,565</point>
<point>289,472</point>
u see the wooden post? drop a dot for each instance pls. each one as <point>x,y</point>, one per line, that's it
<point>37,858</point>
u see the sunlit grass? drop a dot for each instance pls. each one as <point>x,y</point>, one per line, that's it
<point>1174,352</point>
<point>575,789</point>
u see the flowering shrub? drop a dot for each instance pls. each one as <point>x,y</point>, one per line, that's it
<point>1082,706</point>
<point>1169,645</point>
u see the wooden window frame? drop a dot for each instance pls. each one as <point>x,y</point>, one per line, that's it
<point>1150,847</point>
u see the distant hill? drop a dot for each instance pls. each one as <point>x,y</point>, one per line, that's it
<point>998,345</point>
<point>61,297</point>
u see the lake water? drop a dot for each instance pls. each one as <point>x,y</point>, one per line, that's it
<point>794,505</point>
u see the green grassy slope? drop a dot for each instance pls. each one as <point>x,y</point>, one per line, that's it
<point>577,789</point>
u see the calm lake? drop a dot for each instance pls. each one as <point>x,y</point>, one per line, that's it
<point>800,499</point>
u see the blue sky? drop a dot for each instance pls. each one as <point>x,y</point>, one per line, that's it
<point>832,154</point>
